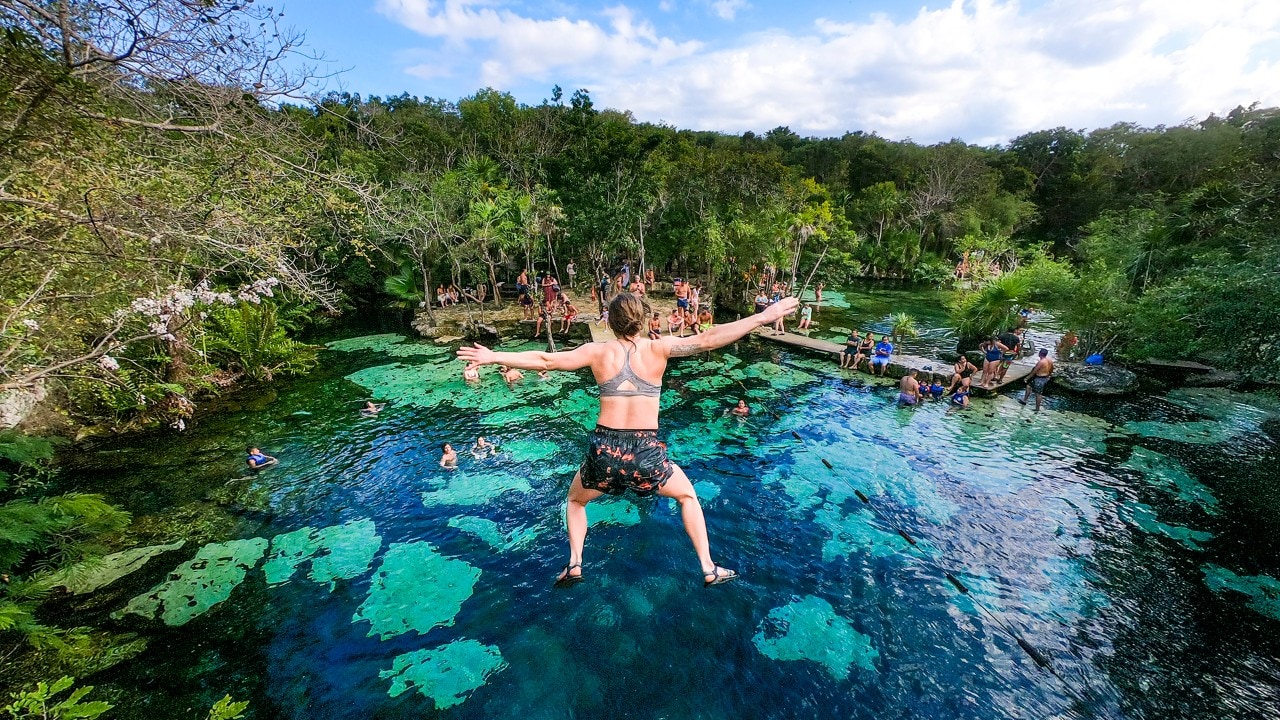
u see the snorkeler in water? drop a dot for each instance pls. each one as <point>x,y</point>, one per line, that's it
<point>625,452</point>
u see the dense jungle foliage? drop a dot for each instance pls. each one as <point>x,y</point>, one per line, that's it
<point>174,219</point>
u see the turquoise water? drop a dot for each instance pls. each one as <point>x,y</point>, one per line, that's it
<point>1132,543</point>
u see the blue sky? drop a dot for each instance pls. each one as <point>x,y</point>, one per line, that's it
<point>981,70</point>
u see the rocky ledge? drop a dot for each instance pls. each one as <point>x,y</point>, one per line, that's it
<point>1094,379</point>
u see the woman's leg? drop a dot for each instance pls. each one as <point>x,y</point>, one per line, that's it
<point>681,490</point>
<point>576,520</point>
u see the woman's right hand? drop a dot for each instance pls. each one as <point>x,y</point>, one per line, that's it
<point>476,355</point>
<point>778,310</point>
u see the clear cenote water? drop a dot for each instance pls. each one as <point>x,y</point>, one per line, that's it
<point>1133,543</point>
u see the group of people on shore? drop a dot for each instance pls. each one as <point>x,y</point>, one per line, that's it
<point>551,302</point>
<point>859,349</point>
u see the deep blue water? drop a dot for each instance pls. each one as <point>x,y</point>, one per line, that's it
<point>1045,517</point>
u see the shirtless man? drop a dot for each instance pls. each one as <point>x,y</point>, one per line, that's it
<point>909,389</point>
<point>1038,378</point>
<point>682,294</point>
<point>510,374</point>
<point>449,459</point>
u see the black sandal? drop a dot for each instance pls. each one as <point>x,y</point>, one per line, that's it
<point>565,579</point>
<point>718,576</point>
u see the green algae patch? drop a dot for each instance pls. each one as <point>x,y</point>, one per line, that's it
<point>855,532</point>
<point>416,349</point>
<point>612,511</point>
<point>372,343</point>
<point>529,450</point>
<point>196,586</point>
<point>709,383</point>
<point>469,487</point>
<point>346,551</point>
<point>415,588</point>
<point>338,552</point>
<point>830,298</point>
<point>1225,404</point>
<point>447,674</point>
<point>1199,432</point>
<point>489,531</point>
<point>1145,518</point>
<point>85,577</point>
<point>706,491</point>
<point>1165,472</point>
<point>810,629</point>
<point>1263,591</point>
<point>780,378</point>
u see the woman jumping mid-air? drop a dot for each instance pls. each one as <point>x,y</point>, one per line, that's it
<point>625,452</point>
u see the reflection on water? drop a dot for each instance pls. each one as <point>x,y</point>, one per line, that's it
<point>368,581</point>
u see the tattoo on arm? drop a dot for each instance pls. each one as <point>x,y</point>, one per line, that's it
<point>686,349</point>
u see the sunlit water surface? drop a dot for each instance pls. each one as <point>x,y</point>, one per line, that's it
<point>1131,543</point>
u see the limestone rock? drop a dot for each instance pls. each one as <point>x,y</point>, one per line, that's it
<point>1215,378</point>
<point>1094,379</point>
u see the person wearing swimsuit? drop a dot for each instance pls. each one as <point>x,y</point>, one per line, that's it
<point>624,451</point>
<point>963,371</point>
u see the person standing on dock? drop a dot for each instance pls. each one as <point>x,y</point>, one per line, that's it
<point>1039,378</point>
<point>1010,344</point>
<point>625,452</point>
<point>883,351</point>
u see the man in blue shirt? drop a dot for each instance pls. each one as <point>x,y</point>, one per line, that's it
<point>884,349</point>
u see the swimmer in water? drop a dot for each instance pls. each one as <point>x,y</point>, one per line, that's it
<point>370,409</point>
<point>449,460</point>
<point>960,398</point>
<point>470,373</point>
<point>511,375</point>
<point>741,409</point>
<point>625,452</point>
<point>483,448</point>
<point>909,389</point>
<point>257,459</point>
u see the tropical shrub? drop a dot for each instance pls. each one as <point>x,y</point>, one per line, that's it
<point>250,339</point>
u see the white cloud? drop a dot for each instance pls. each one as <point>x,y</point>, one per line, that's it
<point>666,6</point>
<point>728,9</point>
<point>983,70</point>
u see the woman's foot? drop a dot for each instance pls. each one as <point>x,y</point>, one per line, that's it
<point>568,577</point>
<point>717,576</point>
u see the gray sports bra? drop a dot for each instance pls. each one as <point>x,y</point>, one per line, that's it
<point>609,388</point>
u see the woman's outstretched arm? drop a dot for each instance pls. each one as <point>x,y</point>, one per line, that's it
<point>721,335</point>
<point>577,358</point>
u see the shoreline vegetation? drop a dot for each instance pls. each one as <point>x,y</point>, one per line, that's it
<point>170,237</point>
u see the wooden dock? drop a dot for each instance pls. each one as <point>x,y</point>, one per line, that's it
<point>899,364</point>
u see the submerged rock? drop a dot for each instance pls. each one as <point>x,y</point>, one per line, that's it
<point>1095,379</point>
<point>1215,378</point>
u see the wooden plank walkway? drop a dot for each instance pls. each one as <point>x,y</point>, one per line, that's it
<point>899,365</point>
